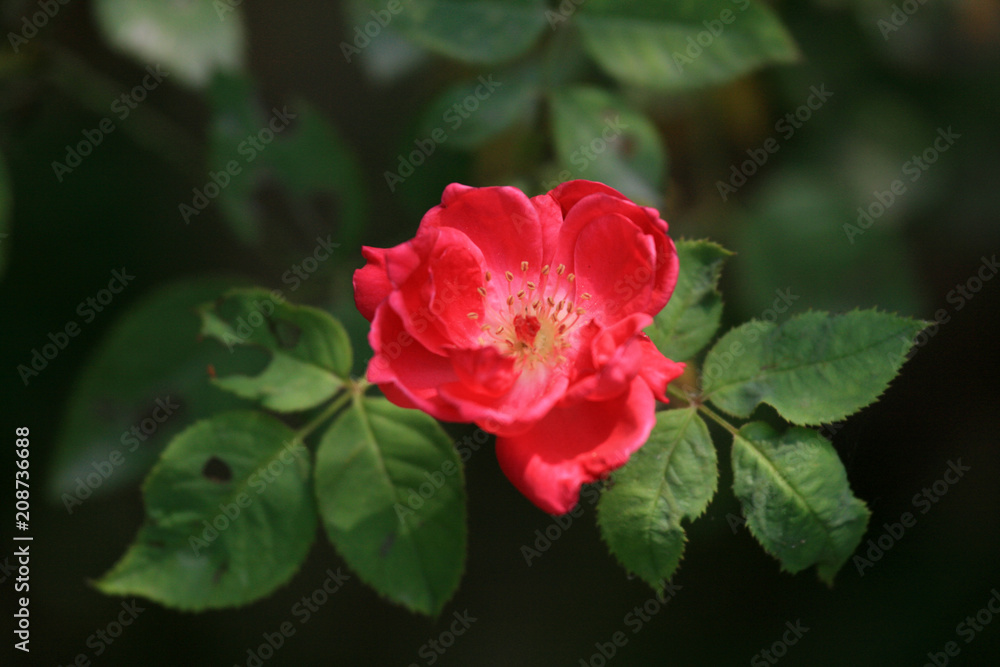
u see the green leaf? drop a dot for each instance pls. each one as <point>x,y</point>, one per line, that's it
<point>815,368</point>
<point>796,498</point>
<point>672,477</point>
<point>471,113</point>
<point>693,314</point>
<point>391,494</point>
<point>310,351</point>
<point>146,380</point>
<point>598,136</point>
<point>229,516</point>
<point>483,31</point>
<point>669,45</point>
<point>191,39</point>
<point>291,147</point>
<point>5,206</point>
<point>388,57</point>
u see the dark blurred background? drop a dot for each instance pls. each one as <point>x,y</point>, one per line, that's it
<point>892,92</point>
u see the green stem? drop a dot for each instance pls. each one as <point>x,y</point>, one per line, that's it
<point>330,410</point>
<point>718,419</point>
<point>704,409</point>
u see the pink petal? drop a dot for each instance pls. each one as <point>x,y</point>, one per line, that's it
<point>402,362</point>
<point>656,369</point>
<point>615,263</point>
<point>616,357</point>
<point>436,292</point>
<point>500,221</point>
<point>570,193</point>
<point>582,201</point>
<point>576,444</point>
<point>371,282</point>
<point>484,371</point>
<point>529,399</point>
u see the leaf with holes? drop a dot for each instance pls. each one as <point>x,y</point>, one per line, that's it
<point>796,498</point>
<point>600,137</point>
<point>191,39</point>
<point>813,369</point>
<point>694,311</point>
<point>483,31</point>
<point>229,516</point>
<point>391,495</point>
<point>145,382</point>
<point>310,351</point>
<point>672,477</point>
<point>682,44</point>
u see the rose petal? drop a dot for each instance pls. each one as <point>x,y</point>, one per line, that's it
<point>576,444</point>
<point>500,221</point>
<point>583,201</point>
<point>484,371</point>
<point>656,369</point>
<point>435,297</point>
<point>616,357</point>
<point>529,399</point>
<point>401,360</point>
<point>620,281</point>
<point>570,193</point>
<point>371,282</point>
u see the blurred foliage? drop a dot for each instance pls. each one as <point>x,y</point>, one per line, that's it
<point>378,81</point>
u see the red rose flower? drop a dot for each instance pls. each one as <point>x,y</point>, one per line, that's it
<point>525,316</point>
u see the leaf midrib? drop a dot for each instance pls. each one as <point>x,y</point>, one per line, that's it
<point>765,374</point>
<point>828,539</point>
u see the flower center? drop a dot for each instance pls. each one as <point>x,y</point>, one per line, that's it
<point>532,321</point>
